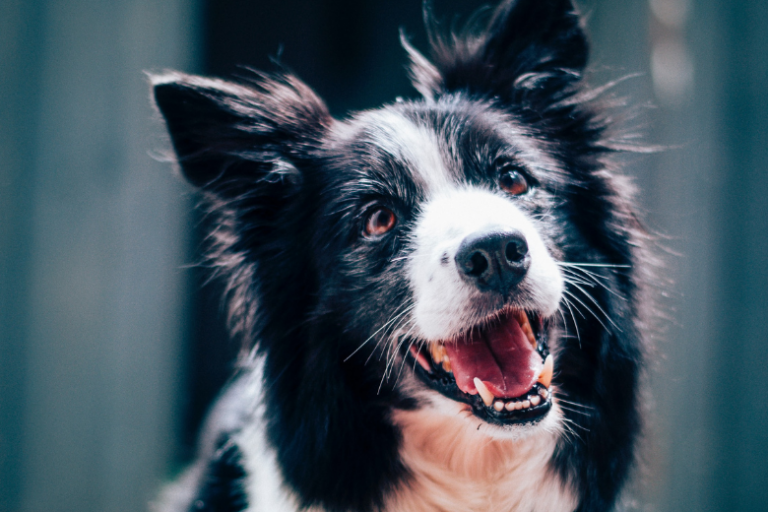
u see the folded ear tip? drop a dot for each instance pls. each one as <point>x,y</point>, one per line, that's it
<point>166,77</point>
<point>180,95</point>
<point>167,97</point>
<point>166,87</point>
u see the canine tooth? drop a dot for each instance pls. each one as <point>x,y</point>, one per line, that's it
<point>498,405</point>
<point>545,378</point>
<point>447,364</point>
<point>485,394</point>
<point>544,393</point>
<point>535,400</point>
<point>525,325</point>
<point>526,404</point>
<point>510,406</point>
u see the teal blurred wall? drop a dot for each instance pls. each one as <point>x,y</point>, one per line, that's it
<point>93,234</point>
<point>96,321</point>
<point>705,65</point>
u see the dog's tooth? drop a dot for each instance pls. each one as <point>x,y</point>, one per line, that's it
<point>440,356</point>
<point>437,351</point>
<point>498,405</point>
<point>544,393</point>
<point>545,378</point>
<point>535,400</point>
<point>518,406</point>
<point>526,404</point>
<point>510,406</point>
<point>485,393</point>
<point>525,325</point>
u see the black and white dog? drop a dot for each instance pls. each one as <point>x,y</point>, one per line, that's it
<point>441,297</point>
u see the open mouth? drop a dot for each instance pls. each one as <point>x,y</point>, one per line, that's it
<point>502,368</point>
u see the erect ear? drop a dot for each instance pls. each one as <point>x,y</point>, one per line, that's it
<point>528,46</point>
<point>227,135</point>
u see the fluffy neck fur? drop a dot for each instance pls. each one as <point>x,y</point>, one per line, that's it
<point>457,468</point>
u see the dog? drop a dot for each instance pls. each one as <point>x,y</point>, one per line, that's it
<point>442,299</point>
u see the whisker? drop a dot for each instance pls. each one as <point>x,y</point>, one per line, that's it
<point>598,265</point>
<point>595,280</point>
<point>565,323</point>
<point>573,280</point>
<point>386,340</point>
<point>575,411</point>
<point>402,365</point>
<point>574,297</point>
<point>570,435</point>
<point>391,362</point>
<point>573,317</point>
<point>560,399</point>
<point>571,422</point>
<point>586,272</point>
<point>565,327</point>
<point>590,297</point>
<point>407,309</point>
<point>392,338</point>
<point>569,303</point>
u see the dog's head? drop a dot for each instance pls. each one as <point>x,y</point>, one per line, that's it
<point>425,254</point>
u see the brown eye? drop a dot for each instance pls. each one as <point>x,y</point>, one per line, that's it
<point>512,182</point>
<point>380,221</point>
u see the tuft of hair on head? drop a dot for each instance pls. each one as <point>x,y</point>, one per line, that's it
<point>528,51</point>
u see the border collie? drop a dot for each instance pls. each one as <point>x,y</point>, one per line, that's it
<point>440,298</point>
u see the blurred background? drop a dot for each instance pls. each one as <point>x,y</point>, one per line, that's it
<point>111,347</point>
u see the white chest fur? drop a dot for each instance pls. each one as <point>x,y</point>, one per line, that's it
<point>456,468</point>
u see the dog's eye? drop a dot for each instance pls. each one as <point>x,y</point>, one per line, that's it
<point>512,182</point>
<point>380,220</point>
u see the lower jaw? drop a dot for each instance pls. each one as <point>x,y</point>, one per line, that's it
<point>502,416</point>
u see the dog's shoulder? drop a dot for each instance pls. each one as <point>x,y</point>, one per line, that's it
<point>234,469</point>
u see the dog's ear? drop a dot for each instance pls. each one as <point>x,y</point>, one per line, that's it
<point>229,135</point>
<point>528,48</point>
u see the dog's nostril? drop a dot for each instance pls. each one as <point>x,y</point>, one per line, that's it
<point>494,260</point>
<point>479,264</point>
<point>516,250</point>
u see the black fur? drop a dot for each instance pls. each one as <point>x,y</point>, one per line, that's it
<point>223,487</point>
<point>305,291</point>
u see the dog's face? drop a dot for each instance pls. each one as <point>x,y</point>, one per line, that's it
<point>428,231</point>
<point>426,255</point>
<point>439,232</point>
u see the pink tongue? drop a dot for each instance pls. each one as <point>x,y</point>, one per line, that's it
<point>501,356</point>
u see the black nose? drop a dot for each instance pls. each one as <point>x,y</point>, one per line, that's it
<point>495,261</point>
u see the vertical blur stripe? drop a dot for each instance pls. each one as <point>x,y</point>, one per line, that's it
<point>92,237</point>
<point>738,398</point>
<point>708,195</point>
<point>19,79</point>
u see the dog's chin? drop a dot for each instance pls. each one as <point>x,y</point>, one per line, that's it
<point>499,372</point>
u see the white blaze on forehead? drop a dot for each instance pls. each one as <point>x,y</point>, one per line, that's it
<point>416,146</point>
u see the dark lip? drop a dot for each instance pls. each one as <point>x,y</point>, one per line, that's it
<point>444,383</point>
